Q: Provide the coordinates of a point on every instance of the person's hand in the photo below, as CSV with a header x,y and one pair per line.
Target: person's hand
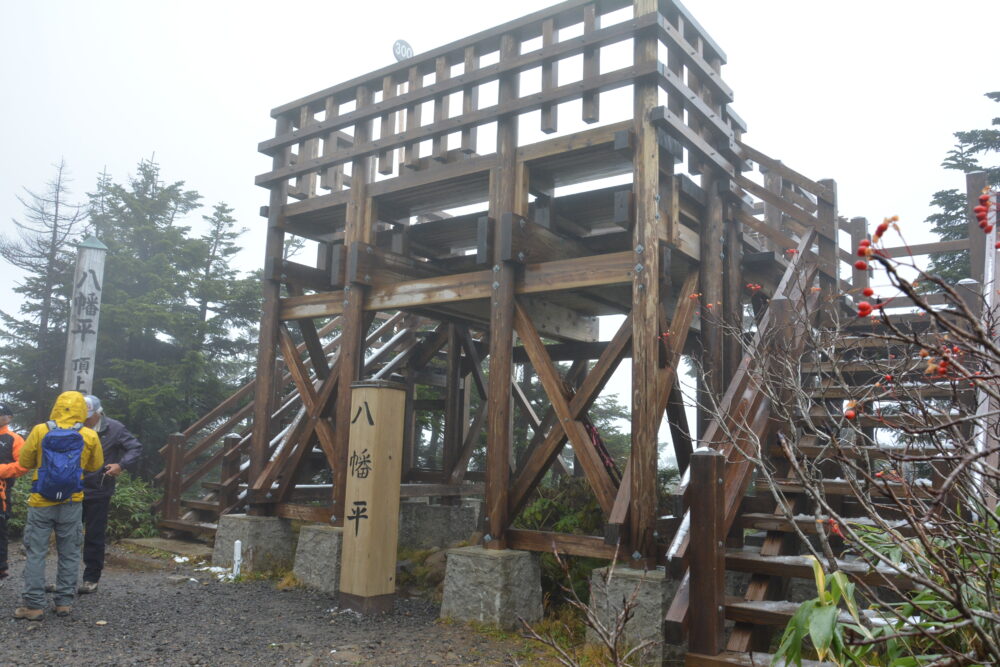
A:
x,y
113,469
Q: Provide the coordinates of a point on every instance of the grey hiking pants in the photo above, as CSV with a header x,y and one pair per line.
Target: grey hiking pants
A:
x,y
65,520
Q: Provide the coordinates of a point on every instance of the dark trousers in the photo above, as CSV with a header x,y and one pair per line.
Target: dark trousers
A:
x,y
95,526
3,543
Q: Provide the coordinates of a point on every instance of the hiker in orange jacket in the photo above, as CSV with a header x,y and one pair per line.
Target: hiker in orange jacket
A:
x,y
10,449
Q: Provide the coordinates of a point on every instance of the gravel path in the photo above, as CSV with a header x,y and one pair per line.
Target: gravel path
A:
x,y
152,611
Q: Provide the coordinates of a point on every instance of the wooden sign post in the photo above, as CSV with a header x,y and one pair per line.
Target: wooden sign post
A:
x,y
371,521
81,345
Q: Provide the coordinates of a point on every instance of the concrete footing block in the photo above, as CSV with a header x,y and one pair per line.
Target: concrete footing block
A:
x,y
317,558
493,586
423,526
652,591
268,542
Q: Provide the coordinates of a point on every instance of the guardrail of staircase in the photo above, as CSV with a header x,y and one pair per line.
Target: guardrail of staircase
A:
x,y
789,205
177,449
743,408
178,455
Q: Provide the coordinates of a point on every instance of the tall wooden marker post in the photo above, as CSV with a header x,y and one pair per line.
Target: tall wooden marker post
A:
x,y
371,502
85,311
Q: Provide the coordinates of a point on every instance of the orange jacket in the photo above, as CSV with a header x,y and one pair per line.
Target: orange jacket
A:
x,y
10,449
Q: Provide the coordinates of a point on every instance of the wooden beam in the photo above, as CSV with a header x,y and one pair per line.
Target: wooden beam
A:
x,y
565,544
538,462
555,276
524,241
600,482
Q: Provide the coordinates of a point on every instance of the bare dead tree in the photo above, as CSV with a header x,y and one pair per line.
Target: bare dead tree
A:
x,y
610,635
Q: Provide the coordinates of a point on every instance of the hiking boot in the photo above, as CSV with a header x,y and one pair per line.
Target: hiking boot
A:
x,y
29,614
87,587
62,609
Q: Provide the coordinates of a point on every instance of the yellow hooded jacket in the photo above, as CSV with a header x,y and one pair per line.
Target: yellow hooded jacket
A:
x,y
70,409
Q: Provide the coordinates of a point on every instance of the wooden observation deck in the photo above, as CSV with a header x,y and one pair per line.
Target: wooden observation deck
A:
x,y
474,210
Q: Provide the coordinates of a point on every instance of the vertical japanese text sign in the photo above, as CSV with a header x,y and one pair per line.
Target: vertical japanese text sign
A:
x,y
85,310
371,517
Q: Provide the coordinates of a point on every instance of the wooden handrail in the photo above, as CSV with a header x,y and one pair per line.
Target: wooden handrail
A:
x,y
744,406
229,454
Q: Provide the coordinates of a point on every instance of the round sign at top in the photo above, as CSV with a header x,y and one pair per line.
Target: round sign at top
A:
x,y
402,50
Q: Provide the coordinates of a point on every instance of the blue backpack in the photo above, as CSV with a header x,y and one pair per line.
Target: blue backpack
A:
x,y
60,472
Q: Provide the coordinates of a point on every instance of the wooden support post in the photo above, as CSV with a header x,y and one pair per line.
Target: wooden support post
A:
x,y
453,424
506,193
974,185
358,228
680,433
732,298
229,470
859,233
711,279
829,248
645,302
773,217
708,553
267,346
172,480
371,523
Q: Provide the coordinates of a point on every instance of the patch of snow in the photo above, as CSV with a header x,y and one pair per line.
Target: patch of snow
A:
x,y
181,559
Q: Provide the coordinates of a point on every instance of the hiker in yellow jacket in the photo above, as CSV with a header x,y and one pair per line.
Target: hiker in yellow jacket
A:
x,y
63,516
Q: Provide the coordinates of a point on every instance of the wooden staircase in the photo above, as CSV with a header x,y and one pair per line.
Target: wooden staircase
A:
x,y
206,471
842,362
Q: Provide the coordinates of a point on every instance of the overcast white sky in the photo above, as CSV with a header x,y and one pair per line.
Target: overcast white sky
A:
x,y
865,92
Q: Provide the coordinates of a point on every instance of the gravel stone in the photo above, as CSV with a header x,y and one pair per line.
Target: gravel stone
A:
x,y
153,619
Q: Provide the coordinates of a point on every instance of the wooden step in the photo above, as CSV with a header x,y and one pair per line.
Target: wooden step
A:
x,y
814,451
806,524
188,526
819,413
904,321
218,486
906,393
741,659
766,612
837,487
201,505
802,567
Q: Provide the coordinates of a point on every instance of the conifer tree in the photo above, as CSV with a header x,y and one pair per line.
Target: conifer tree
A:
x,y
949,222
34,343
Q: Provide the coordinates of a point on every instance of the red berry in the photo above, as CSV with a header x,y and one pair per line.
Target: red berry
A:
x,y
988,228
868,291
979,209
860,265
888,378
864,243
984,199
997,246
882,229
850,414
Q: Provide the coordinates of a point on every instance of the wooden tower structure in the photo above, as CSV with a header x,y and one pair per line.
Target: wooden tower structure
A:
x,y
474,210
